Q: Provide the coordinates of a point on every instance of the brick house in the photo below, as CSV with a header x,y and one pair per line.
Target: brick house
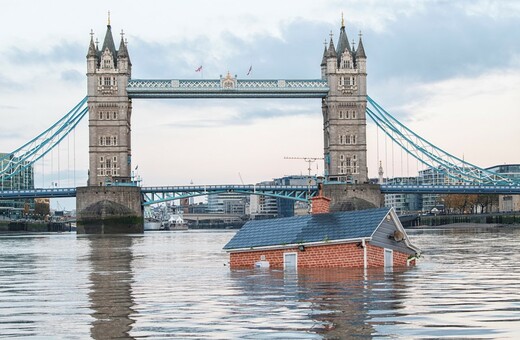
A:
x,y
354,239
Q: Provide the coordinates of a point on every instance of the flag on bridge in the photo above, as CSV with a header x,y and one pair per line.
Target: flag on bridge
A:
x,y
199,69
250,69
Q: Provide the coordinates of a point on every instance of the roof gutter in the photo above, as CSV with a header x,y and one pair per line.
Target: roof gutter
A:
x,y
293,245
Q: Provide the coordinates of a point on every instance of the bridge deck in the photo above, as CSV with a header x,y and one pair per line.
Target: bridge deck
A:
x,y
297,192
227,88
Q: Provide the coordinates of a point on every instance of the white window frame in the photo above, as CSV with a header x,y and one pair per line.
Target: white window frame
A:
x,y
391,252
295,262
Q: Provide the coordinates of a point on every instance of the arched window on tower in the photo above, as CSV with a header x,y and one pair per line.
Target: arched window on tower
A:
x,y
346,60
342,166
107,62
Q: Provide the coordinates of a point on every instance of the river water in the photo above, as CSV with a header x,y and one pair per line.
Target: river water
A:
x,y
178,285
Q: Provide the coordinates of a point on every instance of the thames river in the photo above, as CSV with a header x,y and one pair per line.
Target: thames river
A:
x,y
178,285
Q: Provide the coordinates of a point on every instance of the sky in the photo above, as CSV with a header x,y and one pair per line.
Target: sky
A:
x,y
449,70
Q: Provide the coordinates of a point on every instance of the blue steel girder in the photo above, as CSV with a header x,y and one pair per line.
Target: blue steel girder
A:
x,y
450,189
298,193
38,193
227,88
154,195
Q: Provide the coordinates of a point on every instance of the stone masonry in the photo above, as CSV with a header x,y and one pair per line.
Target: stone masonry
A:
x,y
344,119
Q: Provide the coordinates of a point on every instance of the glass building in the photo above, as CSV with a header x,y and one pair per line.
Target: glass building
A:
x,y
403,203
508,203
21,180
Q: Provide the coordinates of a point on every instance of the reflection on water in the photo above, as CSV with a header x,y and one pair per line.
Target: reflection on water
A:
x,y
111,286
176,285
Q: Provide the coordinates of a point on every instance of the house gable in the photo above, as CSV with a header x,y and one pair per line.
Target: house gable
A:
x,y
384,235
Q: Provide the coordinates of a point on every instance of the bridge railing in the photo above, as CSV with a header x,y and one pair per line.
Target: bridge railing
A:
x,y
226,187
230,88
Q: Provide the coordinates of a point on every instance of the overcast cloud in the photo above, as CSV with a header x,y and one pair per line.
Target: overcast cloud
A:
x,y
425,59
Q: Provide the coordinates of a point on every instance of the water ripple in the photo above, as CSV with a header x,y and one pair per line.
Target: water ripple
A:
x,y
177,285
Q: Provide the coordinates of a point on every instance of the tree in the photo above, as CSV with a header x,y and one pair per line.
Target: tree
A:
x,y
486,202
41,209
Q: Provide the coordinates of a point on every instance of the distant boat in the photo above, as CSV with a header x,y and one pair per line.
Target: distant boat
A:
x,y
151,223
175,222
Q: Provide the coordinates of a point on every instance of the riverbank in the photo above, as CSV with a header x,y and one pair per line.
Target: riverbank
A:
x,y
496,218
466,226
33,226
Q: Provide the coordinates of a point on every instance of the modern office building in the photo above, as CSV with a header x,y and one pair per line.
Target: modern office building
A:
x,y
227,203
403,203
24,179
286,208
508,202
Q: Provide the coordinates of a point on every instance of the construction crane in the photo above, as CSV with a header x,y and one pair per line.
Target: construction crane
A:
x,y
309,160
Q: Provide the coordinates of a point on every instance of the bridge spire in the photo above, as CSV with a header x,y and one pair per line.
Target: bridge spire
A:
x,y
360,52
324,59
331,52
92,50
342,41
108,43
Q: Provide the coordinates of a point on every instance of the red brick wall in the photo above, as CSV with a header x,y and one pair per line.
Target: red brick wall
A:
x,y
376,257
320,205
347,255
400,259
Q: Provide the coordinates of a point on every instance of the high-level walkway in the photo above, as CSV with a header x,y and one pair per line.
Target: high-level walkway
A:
x,y
153,195
227,88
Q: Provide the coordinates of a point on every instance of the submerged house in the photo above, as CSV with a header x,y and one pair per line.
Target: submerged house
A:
x,y
354,239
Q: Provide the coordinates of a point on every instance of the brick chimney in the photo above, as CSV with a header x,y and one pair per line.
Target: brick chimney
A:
x,y
320,204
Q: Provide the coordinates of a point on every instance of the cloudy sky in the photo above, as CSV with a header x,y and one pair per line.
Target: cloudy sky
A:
x,y
450,70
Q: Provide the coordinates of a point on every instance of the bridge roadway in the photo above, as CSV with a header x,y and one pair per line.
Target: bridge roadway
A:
x,y
227,87
154,195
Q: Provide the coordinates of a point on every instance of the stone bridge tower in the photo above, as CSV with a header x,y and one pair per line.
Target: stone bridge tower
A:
x,y
344,120
110,203
344,125
110,110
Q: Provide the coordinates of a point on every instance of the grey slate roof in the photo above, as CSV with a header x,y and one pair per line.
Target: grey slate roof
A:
x,y
92,52
122,52
308,228
343,42
360,53
109,43
331,52
324,59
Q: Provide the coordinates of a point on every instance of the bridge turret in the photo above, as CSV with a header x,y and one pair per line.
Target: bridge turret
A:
x,y
324,62
123,59
92,59
361,57
331,57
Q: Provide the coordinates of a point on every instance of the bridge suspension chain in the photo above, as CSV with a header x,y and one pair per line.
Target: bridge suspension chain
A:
x,y
25,156
430,155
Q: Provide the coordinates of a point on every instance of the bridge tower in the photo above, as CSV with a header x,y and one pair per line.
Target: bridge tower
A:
x,y
344,124
110,202
344,120
110,111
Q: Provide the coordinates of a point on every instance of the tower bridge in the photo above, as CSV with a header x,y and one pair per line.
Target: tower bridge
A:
x,y
112,202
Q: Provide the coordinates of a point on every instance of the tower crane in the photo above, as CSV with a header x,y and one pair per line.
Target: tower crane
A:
x,y
309,160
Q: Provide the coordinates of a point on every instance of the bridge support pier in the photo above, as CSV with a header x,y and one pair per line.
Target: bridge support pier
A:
x,y
346,197
109,210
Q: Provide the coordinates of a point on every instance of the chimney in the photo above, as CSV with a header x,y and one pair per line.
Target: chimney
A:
x,y
320,204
